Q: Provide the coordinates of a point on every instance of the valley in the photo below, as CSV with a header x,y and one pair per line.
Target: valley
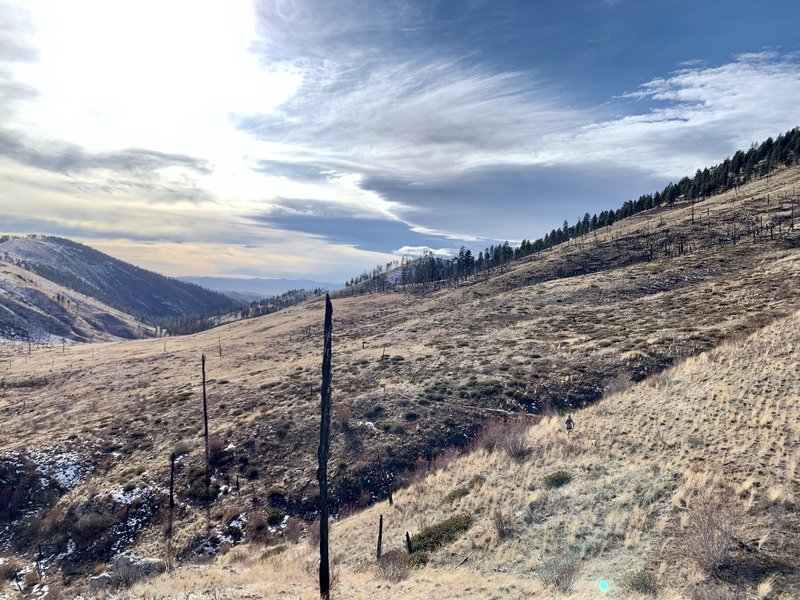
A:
x,y
590,326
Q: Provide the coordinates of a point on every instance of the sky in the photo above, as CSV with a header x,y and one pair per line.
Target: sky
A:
x,y
319,138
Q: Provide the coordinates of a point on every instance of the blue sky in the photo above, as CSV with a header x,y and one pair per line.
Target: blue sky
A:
x,y
299,138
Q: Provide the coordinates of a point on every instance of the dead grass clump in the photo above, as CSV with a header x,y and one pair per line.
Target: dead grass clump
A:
x,y
394,566
503,525
713,526
181,449
643,582
508,435
258,526
294,529
313,533
713,590
516,445
560,572
9,569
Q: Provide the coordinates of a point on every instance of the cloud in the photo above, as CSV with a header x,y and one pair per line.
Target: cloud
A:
x,y
688,120
446,141
694,117
66,158
417,251
353,129
419,119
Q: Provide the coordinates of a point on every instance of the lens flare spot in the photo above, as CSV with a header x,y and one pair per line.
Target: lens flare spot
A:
x,y
603,585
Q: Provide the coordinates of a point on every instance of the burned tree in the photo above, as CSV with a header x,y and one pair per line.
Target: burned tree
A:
x,y
205,422
322,454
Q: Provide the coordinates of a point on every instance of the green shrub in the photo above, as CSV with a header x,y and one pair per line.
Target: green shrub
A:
x,y
643,582
274,515
557,479
200,493
476,482
454,495
441,534
273,551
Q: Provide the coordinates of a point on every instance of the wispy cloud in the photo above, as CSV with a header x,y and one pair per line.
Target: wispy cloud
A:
x,y
353,128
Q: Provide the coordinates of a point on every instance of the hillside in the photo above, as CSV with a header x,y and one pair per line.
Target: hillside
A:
x,y
712,442
35,309
130,289
415,372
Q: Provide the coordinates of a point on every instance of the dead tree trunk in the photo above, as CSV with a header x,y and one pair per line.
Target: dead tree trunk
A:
x,y
171,494
322,454
205,423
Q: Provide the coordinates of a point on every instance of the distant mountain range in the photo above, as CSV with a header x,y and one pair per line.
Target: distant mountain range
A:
x,y
130,289
252,289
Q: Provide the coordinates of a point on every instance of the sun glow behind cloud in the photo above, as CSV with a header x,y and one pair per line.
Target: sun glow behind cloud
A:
x,y
161,75
192,123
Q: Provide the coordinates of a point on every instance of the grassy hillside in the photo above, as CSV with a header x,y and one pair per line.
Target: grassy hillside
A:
x,y
651,472
415,372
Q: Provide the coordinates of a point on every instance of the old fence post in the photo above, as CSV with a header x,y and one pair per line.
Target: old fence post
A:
x,y
380,536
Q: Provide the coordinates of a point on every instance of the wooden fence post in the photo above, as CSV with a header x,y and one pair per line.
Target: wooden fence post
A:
x,y
380,536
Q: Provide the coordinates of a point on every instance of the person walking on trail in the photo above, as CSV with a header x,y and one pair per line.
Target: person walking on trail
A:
x,y
569,423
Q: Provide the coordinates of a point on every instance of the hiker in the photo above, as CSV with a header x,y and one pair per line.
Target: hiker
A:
x,y
569,423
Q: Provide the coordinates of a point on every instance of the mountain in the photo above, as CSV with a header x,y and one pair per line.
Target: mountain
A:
x,y
254,288
35,309
133,290
668,335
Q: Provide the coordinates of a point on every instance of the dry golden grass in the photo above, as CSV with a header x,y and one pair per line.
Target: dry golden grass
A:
x,y
639,460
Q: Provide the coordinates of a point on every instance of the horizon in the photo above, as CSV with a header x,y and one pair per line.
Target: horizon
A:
x,y
302,140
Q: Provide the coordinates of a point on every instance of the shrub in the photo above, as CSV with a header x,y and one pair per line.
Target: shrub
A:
x,y
274,515
276,497
9,569
502,523
476,482
560,572
557,479
275,551
509,435
643,582
394,566
200,493
713,525
695,442
258,526
182,448
455,494
441,534
516,445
